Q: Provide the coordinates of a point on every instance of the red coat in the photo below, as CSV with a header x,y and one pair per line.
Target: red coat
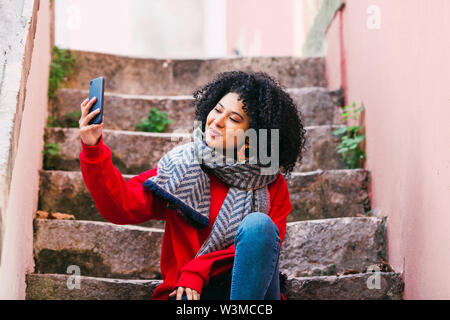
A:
x,y
128,202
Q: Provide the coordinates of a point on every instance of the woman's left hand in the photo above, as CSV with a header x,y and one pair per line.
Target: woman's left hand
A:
x,y
191,294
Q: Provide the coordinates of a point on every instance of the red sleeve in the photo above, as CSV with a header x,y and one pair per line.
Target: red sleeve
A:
x,y
117,200
196,273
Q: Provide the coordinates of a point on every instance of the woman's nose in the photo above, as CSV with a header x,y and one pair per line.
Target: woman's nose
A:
x,y
219,121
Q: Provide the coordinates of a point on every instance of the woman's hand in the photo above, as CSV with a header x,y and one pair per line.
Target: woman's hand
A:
x,y
191,294
89,133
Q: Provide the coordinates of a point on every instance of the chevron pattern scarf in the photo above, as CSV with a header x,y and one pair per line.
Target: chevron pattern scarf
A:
x,y
182,180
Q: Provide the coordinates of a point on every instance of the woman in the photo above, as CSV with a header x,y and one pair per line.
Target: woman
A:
x,y
236,255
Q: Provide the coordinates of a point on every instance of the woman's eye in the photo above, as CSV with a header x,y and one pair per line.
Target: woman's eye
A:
x,y
230,118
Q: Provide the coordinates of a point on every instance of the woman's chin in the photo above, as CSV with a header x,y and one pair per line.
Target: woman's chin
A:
x,y
214,142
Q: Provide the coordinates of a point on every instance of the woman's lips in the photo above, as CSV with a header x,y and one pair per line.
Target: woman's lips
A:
x,y
213,133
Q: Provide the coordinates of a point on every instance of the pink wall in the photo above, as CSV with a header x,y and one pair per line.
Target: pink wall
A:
x,y
269,23
17,255
401,72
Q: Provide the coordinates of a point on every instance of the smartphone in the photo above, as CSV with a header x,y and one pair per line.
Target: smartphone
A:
x,y
96,89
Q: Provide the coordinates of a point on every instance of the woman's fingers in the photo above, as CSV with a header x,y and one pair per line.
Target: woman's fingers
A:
x,y
180,292
85,108
196,295
87,118
88,103
83,104
189,293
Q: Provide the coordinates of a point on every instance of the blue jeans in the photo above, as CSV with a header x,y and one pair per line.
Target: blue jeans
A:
x,y
257,250
255,270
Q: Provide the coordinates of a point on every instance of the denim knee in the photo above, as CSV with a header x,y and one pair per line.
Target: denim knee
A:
x,y
258,225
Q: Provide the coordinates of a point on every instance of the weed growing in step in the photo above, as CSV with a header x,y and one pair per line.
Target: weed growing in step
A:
x,y
61,68
72,118
53,123
52,155
156,121
351,138
69,120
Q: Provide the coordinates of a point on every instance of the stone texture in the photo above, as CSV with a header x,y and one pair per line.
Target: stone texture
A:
x,y
321,247
328,194
99,249
349,287
321,150
54,287
123,112
65,191
331,246
316,195
318,106
184,76
131,153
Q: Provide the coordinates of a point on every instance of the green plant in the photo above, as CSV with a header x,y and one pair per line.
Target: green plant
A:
x,y
61,67
156,121
72,118
52,155
52,122
351,138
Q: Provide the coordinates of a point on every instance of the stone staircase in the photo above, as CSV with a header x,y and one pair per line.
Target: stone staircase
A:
x,y
329,242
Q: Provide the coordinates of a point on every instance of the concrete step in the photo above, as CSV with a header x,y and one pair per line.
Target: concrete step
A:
x,y
318,106
314,195
131,154
347,287
101,249
184,76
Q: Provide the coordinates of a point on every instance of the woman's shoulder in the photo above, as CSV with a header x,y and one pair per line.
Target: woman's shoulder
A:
x,y
279,186
280,180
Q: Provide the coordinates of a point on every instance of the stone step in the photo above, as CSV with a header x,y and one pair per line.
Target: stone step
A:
x,y
183,76
314,195
61,287
131,154
318,106
346,287
101,249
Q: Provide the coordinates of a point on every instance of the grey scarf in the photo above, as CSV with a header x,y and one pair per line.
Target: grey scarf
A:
x,y
182,181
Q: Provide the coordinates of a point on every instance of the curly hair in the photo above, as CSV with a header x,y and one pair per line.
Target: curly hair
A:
x,y
268,107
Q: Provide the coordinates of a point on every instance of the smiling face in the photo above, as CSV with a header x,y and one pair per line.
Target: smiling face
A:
x,y
229,120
